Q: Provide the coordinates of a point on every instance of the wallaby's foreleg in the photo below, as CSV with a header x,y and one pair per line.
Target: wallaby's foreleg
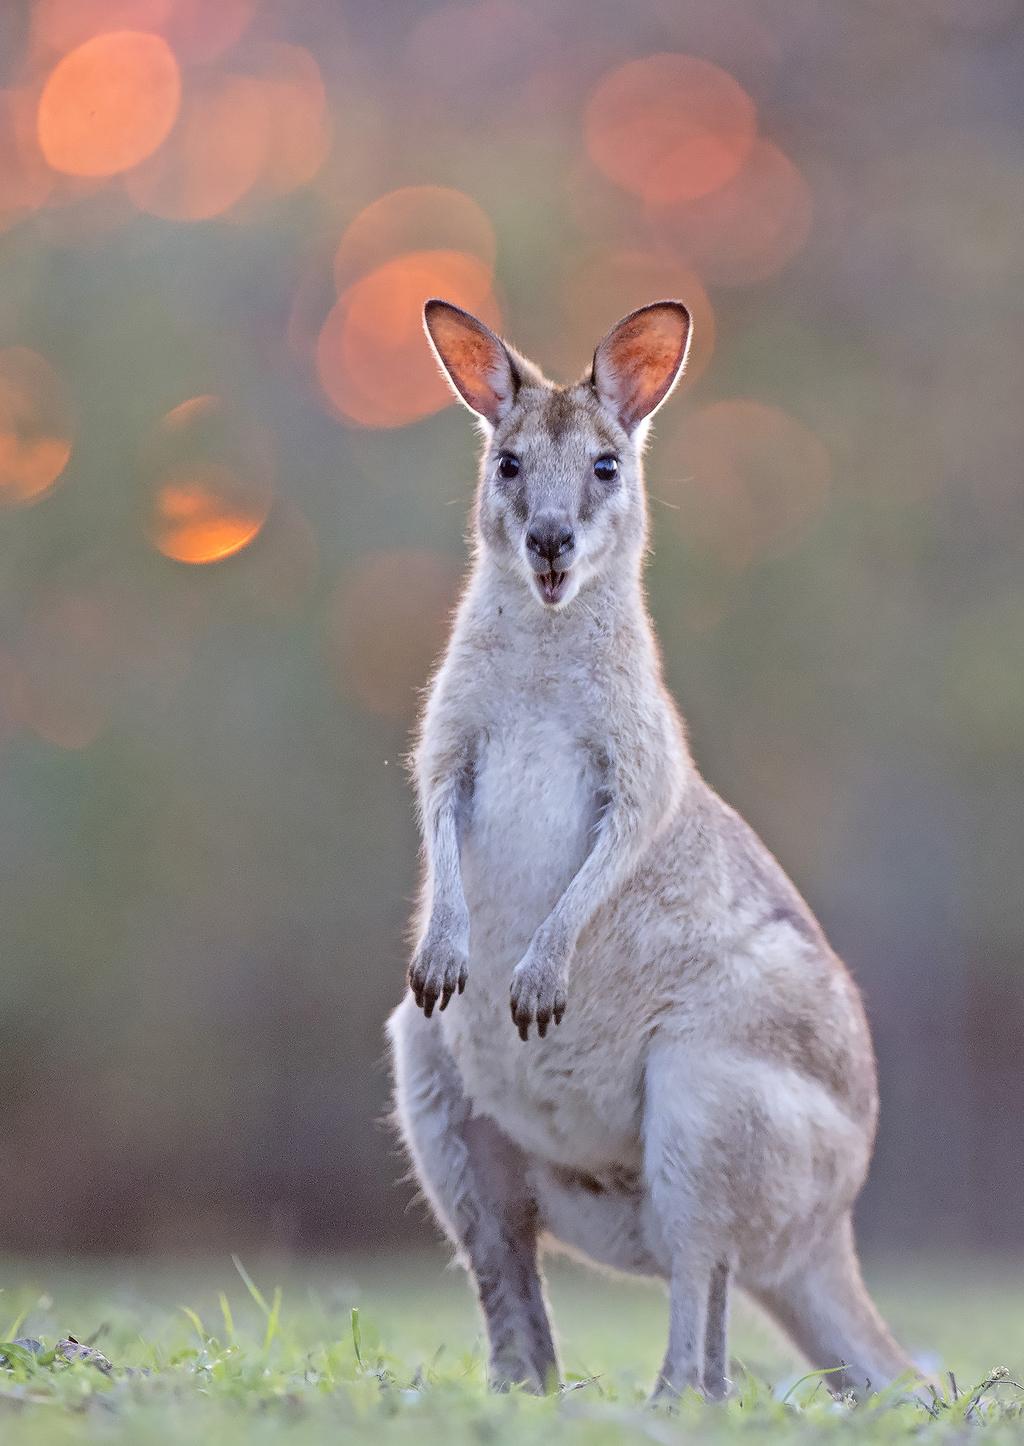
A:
x,y
475,1179
440,965
629,820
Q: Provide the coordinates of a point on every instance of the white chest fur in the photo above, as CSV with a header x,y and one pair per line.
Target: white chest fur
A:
x,y
528,828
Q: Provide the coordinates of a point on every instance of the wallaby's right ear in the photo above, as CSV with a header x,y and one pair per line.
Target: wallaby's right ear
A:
x,y
478,365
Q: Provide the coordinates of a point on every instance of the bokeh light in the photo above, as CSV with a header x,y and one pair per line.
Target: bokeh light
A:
x,y
36,426
299,130
413,218
25,178
670,127
213,157
109,103
372,359
386,624
747,229
209,476
751,479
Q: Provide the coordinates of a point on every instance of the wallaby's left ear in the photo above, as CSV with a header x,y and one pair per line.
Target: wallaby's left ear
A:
x,y
641,359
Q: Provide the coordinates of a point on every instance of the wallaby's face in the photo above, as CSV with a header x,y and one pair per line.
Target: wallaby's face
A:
x,y
561,491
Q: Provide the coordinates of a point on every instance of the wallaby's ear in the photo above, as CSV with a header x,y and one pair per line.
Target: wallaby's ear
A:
x,y
478,365
641,359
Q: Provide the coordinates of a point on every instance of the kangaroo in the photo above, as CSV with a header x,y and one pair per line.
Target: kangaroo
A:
x,y
686,1086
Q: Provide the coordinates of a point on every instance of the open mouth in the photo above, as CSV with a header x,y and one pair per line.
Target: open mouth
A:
x,y
551,586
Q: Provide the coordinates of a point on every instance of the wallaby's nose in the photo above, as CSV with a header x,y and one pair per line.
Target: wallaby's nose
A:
x,y
549,539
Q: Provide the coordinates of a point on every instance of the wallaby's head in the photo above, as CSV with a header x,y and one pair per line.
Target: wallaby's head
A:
x,y
561,492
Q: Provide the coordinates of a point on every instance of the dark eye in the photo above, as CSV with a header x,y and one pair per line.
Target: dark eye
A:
x,y
606,469
508,466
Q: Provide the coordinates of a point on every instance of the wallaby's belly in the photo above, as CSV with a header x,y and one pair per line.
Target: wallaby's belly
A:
x,y
535,805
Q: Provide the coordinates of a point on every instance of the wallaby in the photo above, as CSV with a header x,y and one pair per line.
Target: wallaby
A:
x,y
686,1086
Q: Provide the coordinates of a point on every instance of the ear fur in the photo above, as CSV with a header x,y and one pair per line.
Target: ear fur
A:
x,y
640,361
480,368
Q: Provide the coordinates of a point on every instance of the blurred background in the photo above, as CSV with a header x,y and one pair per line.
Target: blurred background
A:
x,y
232,502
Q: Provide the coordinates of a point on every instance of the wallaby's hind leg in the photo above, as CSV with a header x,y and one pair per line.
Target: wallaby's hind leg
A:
x,y
716,1337
681,1227
825,1307
474,1177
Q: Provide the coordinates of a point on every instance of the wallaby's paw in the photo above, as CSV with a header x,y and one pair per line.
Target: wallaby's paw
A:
x,y
537,993
438,970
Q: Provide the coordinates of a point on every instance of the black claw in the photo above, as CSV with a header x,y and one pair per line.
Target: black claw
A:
x,y
446,995
462,982
524,1029
558,1014
542,1026
428,1006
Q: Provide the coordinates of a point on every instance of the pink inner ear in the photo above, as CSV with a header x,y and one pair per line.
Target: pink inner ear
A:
x,y
637,363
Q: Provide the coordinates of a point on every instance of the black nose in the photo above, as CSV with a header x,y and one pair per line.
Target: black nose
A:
x,y
549,537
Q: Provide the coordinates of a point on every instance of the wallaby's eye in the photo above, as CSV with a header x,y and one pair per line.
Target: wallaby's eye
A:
x,y
606,469
508,466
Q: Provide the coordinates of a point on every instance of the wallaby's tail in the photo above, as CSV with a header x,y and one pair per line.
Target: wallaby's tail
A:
x,y
825,1308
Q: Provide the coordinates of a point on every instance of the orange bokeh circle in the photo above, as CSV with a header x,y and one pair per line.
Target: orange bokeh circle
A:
x,y
208,472
669,127
749,228
35,427
372,357
413,218
214,156
109,103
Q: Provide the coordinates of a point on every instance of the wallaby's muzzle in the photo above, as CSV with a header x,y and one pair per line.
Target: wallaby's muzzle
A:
x,y
551,550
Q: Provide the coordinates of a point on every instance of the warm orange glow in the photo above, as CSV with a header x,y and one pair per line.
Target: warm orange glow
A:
x,y
205,514
25,179
386,625
210,479
750,228
670,127
372,358
214,155
35,427
413,218
299,124
604,285
748,480
109,104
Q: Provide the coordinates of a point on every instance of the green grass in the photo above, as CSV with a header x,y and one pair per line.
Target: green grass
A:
x,y
390,1352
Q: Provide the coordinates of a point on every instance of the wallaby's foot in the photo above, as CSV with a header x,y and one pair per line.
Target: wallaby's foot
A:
x,y
507,1375
438,970
538,992
667,1397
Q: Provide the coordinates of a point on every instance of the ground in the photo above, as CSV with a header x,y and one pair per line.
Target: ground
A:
x,y
390,1352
